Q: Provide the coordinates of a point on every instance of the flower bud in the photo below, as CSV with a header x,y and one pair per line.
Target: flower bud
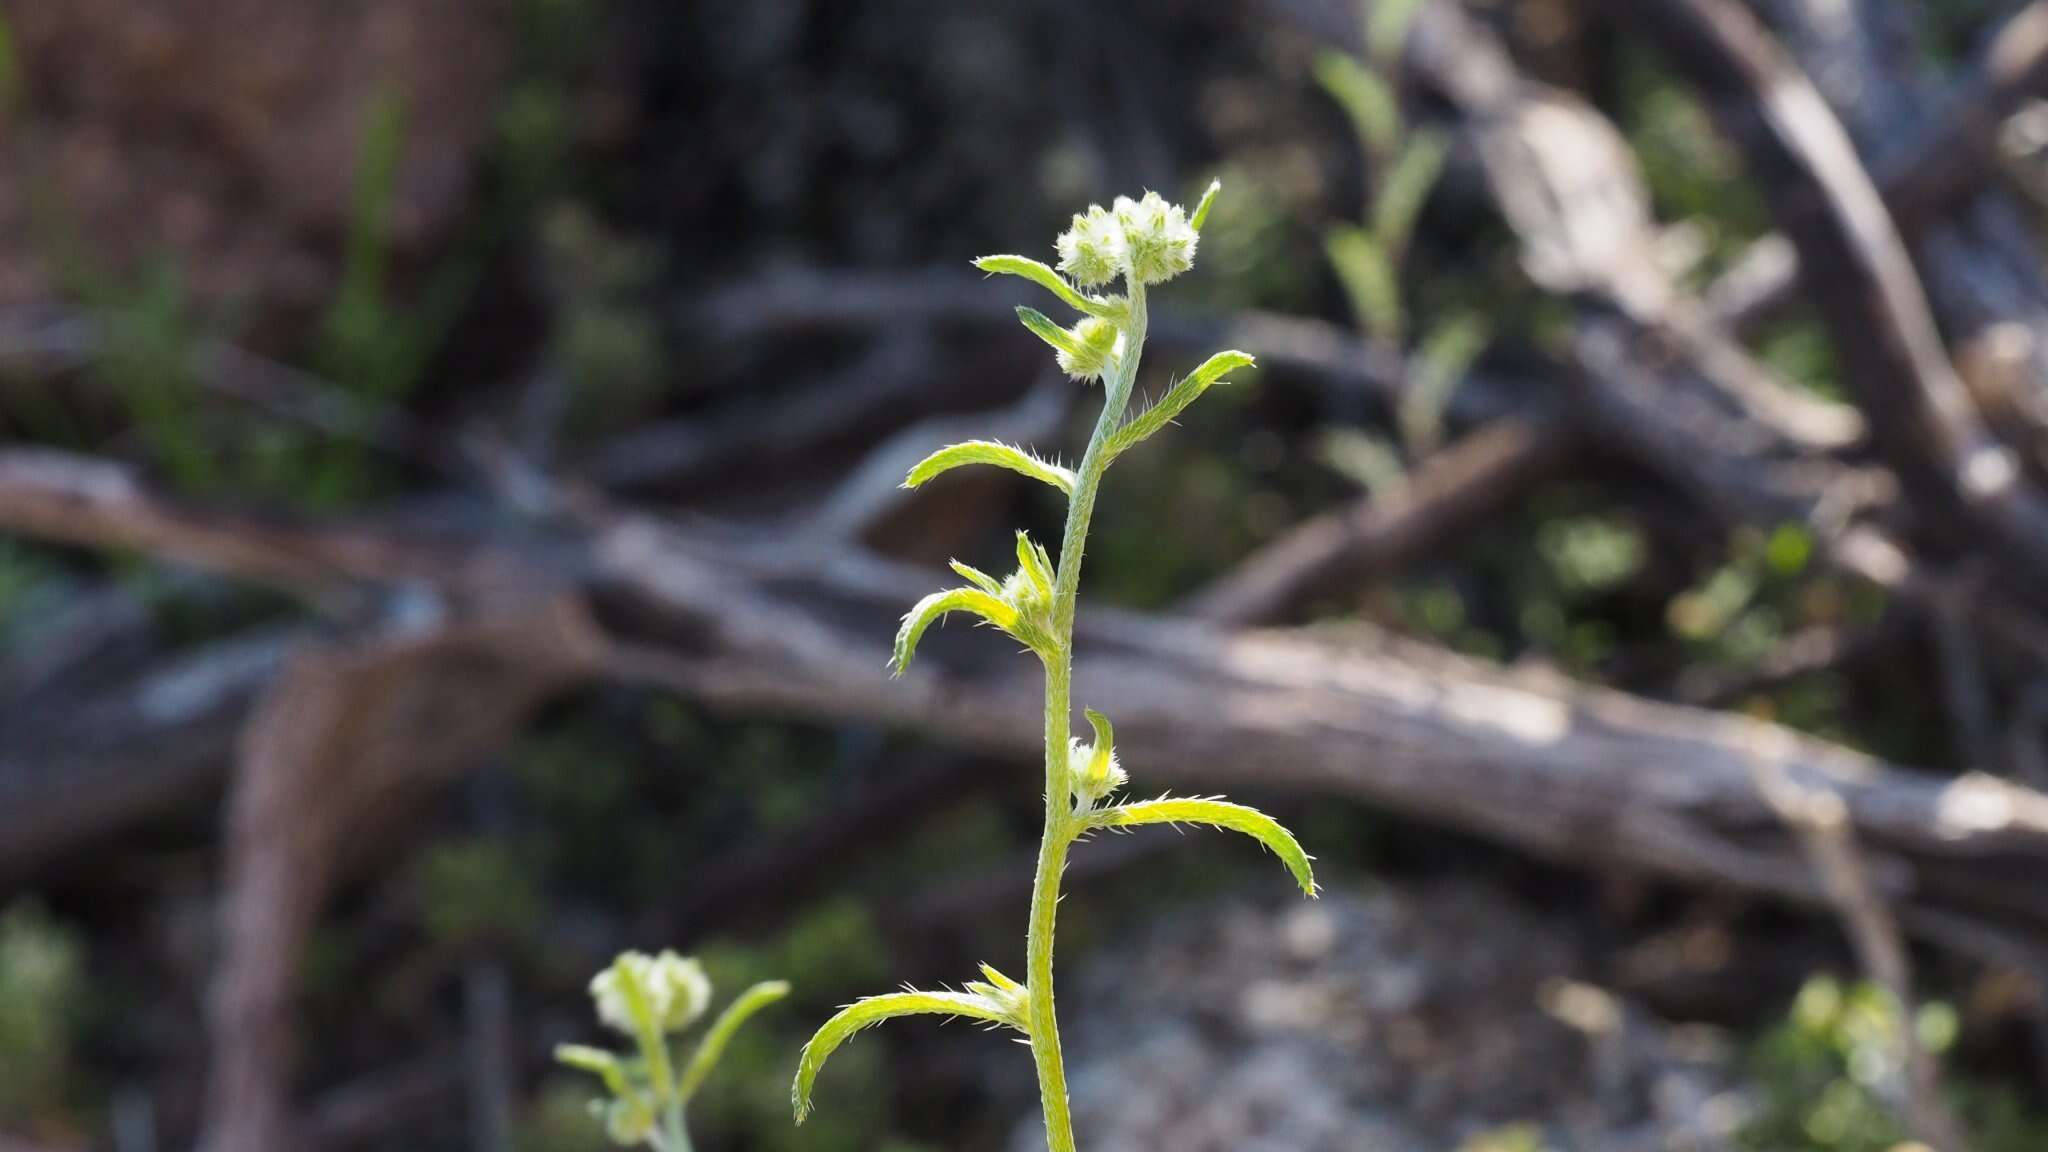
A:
x,y
1088,353
1092,251
1093,771
627,1121
676,991
1159,243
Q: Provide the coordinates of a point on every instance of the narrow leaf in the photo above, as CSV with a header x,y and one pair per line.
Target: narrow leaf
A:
x,y
1042,326
1406,189
712,1047
1202,209
1434,372
597,1060
646,1029
872,1011
990,452
980,579
1034,563
1105,735
1220,814
938,604
1047,279
1368,276
1387,34
1365,97
1177,398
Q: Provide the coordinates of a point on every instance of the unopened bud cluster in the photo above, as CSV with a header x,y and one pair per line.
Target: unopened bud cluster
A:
x,y
1148,240
676,990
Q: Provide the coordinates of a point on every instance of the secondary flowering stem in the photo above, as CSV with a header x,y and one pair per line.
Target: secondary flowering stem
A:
x,y
1060,824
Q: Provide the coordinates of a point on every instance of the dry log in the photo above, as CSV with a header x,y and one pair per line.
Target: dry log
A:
x,y
1570,773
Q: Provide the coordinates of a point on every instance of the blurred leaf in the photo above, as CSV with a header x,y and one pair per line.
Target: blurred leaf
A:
x,y
1435,371
1387,27
1367,273
1405,190
1365,97
1365,458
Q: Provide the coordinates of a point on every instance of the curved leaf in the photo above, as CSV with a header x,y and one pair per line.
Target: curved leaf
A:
x,y
1036,564
1049,280
867,1013
977,577
1177,398
1201,214
595,1060
931,608
720,1033
990,452
1219,814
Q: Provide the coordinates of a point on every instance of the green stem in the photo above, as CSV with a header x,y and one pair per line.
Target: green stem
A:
x,y
676,1138
1060,825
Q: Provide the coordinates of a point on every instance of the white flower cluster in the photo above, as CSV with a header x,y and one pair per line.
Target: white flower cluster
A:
x,y
676,990
1149,240
1093,772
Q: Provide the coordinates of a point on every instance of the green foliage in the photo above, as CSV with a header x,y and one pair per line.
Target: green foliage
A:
x,y
1830,1071
1145,242
10,71
650,999
990,452
42,989
476,890
1216,814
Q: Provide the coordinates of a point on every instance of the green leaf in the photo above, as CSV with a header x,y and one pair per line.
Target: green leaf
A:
x,y
1406,189
1387,32
867,1013
1036,563
1043,327
1217,813
1049,280
1202,209
597,1060
712,1047
1368,276
990,452
646,1028
1365,97
1177,399
938,604
1105,736
980,579
1436,369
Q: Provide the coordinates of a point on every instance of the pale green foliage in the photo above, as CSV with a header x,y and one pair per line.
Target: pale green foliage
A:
x,y
1367,99
1021,605
863,1014
1177,399
1143,242
1406,167
650,999
1216,814
989,452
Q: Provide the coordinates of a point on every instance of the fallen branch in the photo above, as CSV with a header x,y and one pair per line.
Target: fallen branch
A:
x,y
1448,493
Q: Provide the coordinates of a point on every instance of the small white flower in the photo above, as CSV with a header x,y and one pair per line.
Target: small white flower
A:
x,y
1093,772
676,990
1159,243
1092,251
1094,346
684,989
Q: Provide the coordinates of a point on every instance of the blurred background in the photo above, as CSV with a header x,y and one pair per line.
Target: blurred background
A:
x,y
449,532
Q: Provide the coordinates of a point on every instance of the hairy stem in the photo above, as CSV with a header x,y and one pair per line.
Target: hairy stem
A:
x,y
676,1138
1060,825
